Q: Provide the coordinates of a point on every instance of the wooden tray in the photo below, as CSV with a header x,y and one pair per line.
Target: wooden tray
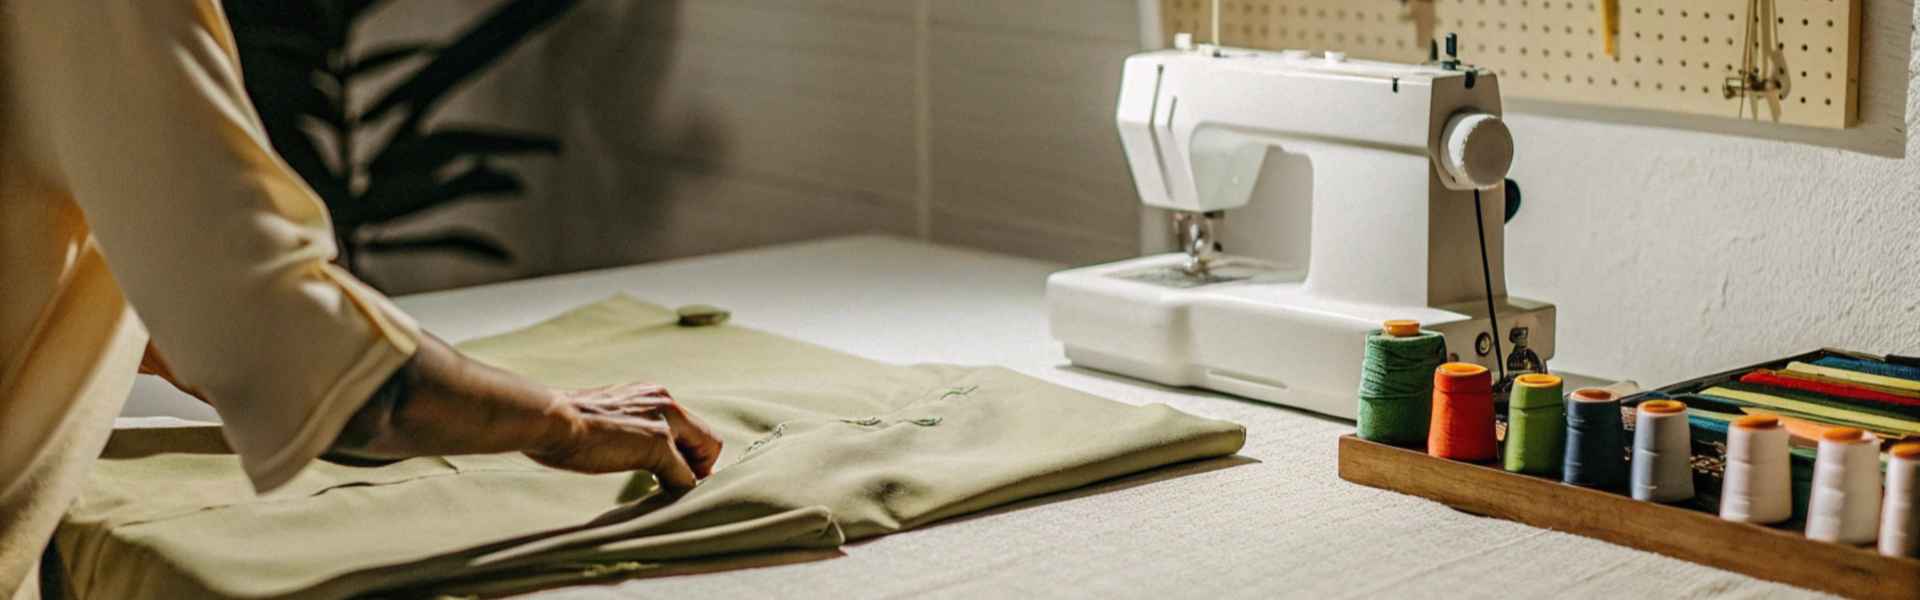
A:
x,y
1763,552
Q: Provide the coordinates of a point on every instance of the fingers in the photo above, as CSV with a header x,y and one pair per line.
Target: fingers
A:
x,y
695,448
694,439
672,469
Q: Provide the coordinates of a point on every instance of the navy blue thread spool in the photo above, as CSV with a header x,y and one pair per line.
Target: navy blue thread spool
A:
x,y
1596,440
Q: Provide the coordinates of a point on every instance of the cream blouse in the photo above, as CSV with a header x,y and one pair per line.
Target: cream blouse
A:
x,y
139,197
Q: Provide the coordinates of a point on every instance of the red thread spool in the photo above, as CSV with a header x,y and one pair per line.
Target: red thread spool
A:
x,y
1462,414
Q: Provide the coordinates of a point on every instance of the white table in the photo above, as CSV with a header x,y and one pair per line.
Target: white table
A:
x,y
1278,522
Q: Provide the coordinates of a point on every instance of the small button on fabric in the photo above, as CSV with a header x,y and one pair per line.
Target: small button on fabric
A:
x,y
702,315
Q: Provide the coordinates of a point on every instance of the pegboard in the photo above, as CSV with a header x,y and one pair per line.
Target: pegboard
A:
x,y
1676,55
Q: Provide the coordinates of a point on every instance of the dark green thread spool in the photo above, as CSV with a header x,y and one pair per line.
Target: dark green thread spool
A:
x,y
1396,383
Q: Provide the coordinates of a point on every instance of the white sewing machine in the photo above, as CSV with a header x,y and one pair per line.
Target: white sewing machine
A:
x,y
1360,182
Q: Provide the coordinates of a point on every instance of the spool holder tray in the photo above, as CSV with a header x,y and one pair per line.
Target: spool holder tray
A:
x,y
1769,553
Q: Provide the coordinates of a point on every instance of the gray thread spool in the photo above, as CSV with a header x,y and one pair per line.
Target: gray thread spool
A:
x,y
1662,452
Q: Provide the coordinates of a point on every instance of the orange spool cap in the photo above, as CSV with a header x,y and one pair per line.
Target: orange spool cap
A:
x,y
1401,327
1909,450
1843,434
1757,422
1462,426
1593,395
1662,407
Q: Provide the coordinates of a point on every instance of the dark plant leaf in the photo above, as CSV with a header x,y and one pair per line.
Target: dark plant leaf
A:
x,y
298,46
355,9
434,151
405,193
301,153
385,56
283,90
471,53
462,241
295,60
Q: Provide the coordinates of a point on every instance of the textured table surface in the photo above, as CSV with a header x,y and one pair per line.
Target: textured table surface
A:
x,y
1275,521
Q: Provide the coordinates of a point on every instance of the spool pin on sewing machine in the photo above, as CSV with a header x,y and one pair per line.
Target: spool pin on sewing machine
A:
x,y
1362,179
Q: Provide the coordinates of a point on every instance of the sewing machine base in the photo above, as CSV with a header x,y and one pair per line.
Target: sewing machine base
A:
x,y
1252,329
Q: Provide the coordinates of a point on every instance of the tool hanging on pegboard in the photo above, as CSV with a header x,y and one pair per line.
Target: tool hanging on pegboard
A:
x,y
1763,65
1791,63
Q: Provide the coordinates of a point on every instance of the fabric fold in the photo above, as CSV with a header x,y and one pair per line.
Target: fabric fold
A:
x,y
821,447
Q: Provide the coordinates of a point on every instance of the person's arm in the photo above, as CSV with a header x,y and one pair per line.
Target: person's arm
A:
x,y
444,403
225,254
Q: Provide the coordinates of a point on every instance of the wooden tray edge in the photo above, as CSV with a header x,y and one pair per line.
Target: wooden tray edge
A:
x,y
1759,551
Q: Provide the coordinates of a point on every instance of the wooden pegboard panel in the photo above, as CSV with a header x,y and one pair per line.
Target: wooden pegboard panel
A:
x,y
1671,55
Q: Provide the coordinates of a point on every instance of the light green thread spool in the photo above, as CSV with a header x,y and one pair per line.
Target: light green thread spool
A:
x,y
1396,383
1536,425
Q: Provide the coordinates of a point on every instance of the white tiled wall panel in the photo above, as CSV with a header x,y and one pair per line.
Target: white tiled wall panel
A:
x,y
696,126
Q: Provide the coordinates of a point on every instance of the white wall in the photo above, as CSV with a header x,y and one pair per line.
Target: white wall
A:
x,y
1673,245
1673,252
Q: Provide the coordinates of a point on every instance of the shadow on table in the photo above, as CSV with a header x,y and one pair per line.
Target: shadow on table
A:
x,y
1200,392
1116,484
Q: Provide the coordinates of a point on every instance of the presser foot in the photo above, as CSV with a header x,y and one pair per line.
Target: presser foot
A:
x,y
1197,237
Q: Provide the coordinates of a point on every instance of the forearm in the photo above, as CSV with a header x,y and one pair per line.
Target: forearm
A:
x,y
442,403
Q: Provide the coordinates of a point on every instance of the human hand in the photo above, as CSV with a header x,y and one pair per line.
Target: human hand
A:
x,y
629,427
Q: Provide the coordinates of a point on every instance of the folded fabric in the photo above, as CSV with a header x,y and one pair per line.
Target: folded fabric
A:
x,y
1905,372
821,447
1852,376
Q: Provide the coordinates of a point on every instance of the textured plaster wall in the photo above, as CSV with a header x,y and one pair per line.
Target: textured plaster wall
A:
x,y
1672,252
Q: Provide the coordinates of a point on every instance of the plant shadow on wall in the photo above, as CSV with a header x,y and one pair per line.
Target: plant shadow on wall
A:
x,y
654,128
301,72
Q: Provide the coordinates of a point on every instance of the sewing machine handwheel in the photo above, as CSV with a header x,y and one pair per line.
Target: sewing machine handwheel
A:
x,y
1476,150
1513,199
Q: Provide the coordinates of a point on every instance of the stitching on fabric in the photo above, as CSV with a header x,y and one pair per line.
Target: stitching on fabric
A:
x,y
600,571
781,430
873,421
778,430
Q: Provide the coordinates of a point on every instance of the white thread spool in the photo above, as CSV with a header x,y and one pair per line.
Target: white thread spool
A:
x,y
1845,506
1662,452
1899,531
1759,475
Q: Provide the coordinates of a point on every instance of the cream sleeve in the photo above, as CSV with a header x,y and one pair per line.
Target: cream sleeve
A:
x,y
220,248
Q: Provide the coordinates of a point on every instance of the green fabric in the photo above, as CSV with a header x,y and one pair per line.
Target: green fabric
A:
x,y
822,447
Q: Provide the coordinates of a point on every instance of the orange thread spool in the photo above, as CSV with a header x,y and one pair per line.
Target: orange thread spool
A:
x,y
1462,414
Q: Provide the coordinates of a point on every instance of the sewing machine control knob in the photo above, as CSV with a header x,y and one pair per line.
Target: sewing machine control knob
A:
x,y
1476,149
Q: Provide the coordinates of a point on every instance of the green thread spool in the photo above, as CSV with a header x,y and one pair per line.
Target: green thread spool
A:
x,y
1396,383
1536,425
